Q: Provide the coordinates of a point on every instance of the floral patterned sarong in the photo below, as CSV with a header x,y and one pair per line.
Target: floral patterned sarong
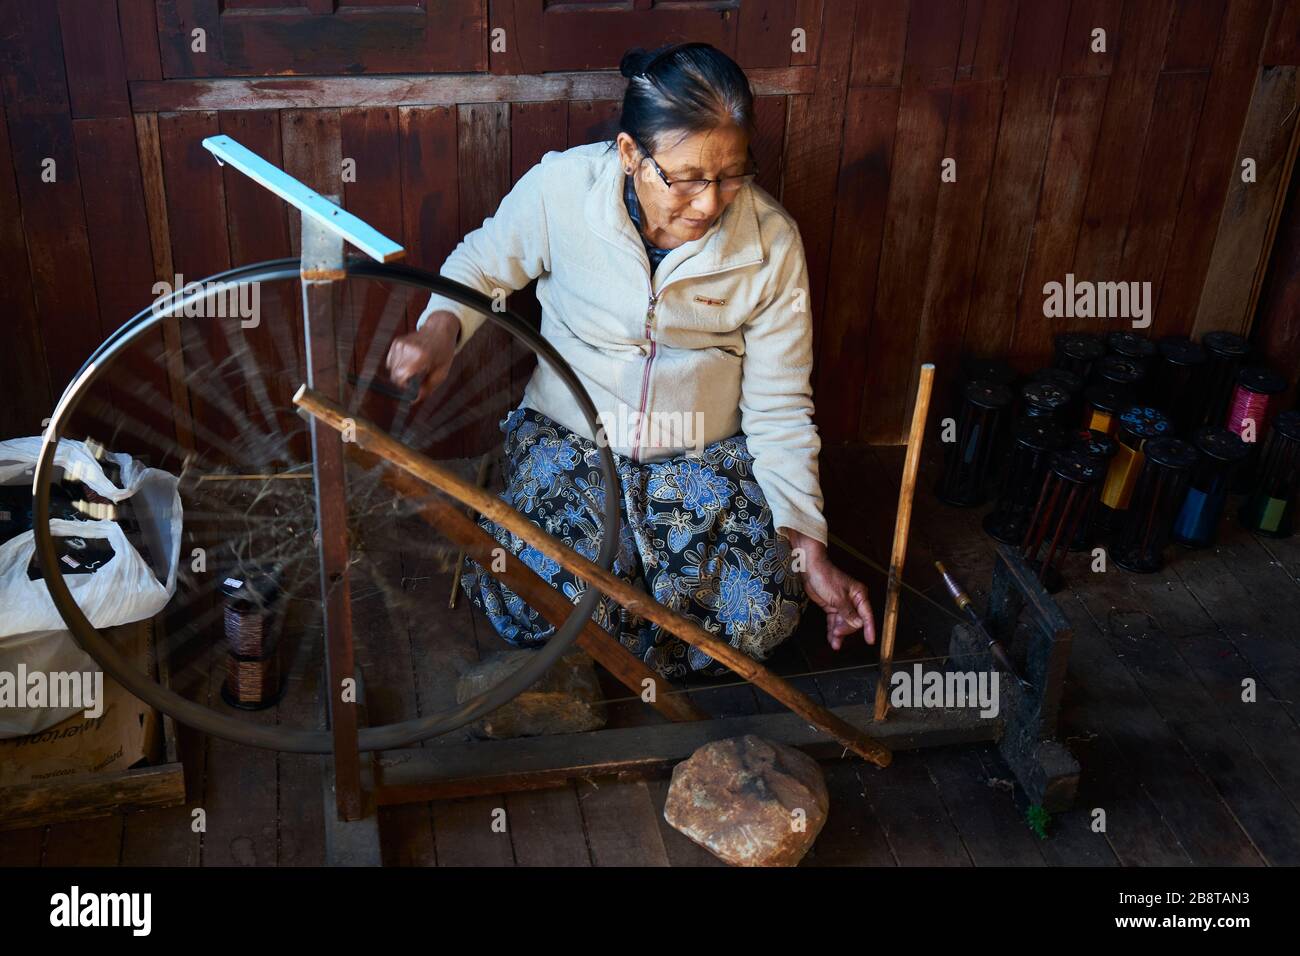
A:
x,y
696,533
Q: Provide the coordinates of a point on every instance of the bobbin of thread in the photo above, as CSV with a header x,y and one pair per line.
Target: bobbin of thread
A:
x,y
968,459
1101,448
1063,501
1221,451
1250,410
251,625
1121,370
1138,425
1225,352
1069,382
1103,404
1269,509
1178,381
1131,345
1034,440
1161,486
1077,351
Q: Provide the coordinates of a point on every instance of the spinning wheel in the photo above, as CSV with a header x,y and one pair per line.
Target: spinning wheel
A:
x,y
254,457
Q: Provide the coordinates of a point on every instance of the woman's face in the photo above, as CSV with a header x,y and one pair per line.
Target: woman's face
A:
x,y
668,219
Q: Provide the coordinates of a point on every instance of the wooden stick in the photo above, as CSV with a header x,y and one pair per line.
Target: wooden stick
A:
x,y
368,437
440,513
902,524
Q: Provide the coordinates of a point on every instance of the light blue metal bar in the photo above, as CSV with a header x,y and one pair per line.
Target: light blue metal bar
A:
x,y
356,231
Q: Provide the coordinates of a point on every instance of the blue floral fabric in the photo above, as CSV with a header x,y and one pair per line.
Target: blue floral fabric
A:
x,y
695,532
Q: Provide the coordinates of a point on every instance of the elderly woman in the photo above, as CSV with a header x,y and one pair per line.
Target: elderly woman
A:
x,y
677,290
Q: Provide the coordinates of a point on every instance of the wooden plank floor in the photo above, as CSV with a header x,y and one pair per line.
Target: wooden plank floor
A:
x,y
1177,768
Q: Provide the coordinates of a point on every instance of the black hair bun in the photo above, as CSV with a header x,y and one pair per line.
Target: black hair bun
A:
x,y
634,62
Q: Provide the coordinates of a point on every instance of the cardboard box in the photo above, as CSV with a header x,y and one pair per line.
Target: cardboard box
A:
x,y
125,735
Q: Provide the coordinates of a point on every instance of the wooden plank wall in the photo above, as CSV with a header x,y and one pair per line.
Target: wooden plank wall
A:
x,y
1122,165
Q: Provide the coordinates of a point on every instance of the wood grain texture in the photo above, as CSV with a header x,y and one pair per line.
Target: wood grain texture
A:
x,y
1240,246
1017,169
1213,163
1071,147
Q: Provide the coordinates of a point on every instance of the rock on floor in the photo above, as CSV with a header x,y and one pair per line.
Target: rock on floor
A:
x,y
748,801
564,701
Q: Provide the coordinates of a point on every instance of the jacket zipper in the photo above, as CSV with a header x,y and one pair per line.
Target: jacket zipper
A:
x,y
645,377
649,322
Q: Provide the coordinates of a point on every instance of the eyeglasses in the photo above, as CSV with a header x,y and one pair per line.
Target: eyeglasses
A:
x,y
693,187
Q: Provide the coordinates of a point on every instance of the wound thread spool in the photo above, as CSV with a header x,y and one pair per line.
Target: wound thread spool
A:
x,y
1033,441
1253,405
1138,425
1103,404
1252,398
1121,370
1269,509
1101,448
993,371
1068,487
1077,351
967,460
251,624
1225,354
1131,345
1221,451
1044,399
1178,382
1161,487
1069,382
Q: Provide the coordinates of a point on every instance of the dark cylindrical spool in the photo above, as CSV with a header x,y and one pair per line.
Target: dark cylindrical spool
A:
x,y
1077,351
1068,487
251,606
1131,345
1033,441
1138,425
1101,448
1178,382
1269,509
1159,492
968,458
1225,352
993,371
1069,382
1044,399
1103,403
1221,452
1253,406
1122,371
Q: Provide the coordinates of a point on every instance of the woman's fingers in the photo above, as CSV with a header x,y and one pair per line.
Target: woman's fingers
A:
x,y
865,614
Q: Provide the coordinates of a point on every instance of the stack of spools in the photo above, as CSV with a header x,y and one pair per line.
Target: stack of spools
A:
x,y
1125,441
251,608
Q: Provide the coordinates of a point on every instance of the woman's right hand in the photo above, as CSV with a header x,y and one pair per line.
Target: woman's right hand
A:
x,y
424,355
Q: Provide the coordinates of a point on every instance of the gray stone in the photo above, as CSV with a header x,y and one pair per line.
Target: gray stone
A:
x,y
563,701
748,801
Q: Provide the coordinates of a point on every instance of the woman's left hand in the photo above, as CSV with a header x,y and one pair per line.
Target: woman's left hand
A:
x,y
843,598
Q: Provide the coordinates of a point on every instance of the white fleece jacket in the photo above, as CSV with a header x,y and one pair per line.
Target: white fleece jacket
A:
x,y
719,341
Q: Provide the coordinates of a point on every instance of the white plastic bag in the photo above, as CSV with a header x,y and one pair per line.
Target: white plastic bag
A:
x,y
124,589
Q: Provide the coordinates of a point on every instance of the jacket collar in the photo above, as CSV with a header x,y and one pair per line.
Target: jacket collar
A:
x,y
732,241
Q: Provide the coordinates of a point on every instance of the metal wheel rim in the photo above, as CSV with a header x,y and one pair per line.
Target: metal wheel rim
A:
x,y
207,720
